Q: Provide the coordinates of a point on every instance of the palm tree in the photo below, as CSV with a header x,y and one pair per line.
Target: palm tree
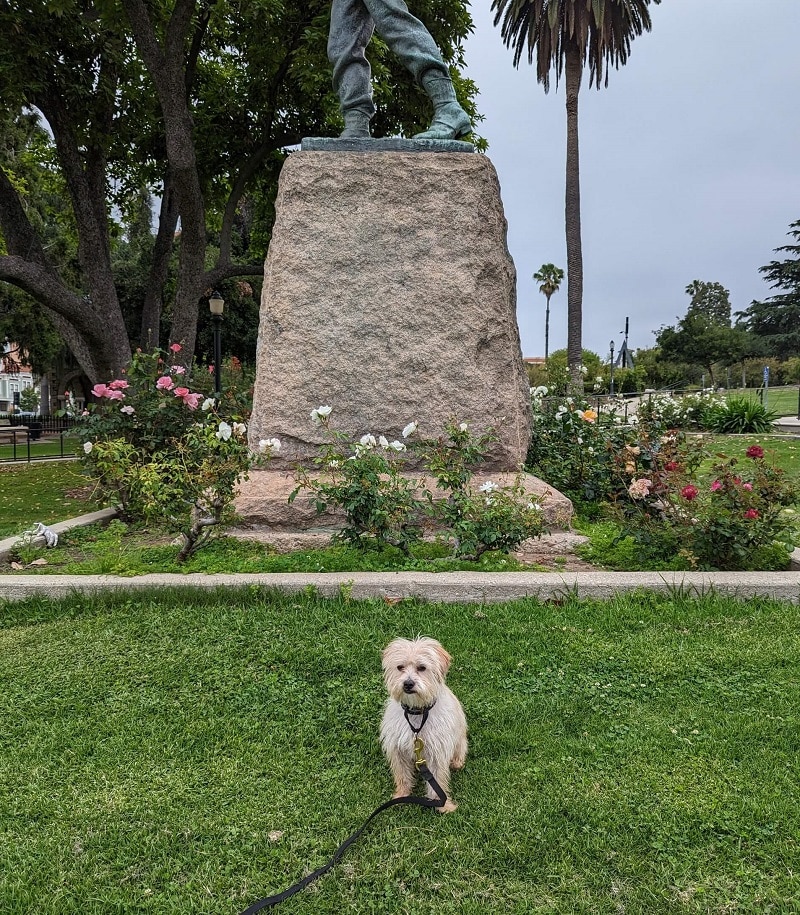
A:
x,y
563,35
549,277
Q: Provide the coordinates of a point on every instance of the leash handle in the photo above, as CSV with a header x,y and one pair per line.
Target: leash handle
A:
x,y
441,799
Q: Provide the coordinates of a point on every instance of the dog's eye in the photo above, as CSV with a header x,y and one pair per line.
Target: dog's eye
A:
x,y
401,666
421,668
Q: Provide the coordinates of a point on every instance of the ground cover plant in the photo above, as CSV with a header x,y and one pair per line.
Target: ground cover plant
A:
x,y
185,751
122,549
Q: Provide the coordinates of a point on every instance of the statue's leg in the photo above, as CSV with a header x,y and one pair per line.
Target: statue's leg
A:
x,y
415,47
351,29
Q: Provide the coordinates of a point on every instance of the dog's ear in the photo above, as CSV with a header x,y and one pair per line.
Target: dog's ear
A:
x,y
444,658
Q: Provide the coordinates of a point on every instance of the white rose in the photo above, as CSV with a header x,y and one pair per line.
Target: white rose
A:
x,y
383,441
87,447
239,428
319,415
223,432
397,446
410,429
489,486
368,440
207,404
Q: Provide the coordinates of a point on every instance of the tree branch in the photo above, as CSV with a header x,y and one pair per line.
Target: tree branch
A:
x,y
21,238
216,275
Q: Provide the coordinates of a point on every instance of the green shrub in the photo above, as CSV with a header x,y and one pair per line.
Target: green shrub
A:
x,y
162,452
571,446
384,506
727,524
740,415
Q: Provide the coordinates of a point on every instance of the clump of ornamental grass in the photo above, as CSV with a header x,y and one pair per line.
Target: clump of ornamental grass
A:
x,y
164,453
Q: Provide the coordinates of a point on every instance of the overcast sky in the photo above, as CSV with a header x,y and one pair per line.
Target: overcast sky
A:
x,y
690,165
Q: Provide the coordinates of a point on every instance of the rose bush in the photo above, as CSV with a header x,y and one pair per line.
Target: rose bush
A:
x,y
729,523
162,452
384,504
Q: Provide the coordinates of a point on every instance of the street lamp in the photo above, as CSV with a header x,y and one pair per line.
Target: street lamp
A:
x,y
611,384
216,305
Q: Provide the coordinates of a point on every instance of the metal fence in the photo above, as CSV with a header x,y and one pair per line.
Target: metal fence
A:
x,y
43,424
26,444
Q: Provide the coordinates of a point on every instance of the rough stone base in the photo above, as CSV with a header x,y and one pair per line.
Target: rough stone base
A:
x,y
263,503
389,295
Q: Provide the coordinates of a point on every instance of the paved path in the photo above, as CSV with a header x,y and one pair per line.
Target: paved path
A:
x,y
445,587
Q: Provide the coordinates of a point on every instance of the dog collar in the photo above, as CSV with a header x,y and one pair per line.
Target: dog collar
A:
x,y
417,709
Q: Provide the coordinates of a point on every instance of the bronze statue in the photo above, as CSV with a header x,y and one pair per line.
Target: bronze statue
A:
x,y
352,25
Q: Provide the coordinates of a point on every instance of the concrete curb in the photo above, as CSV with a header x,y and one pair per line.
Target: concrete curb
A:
x,y
444,587
104,514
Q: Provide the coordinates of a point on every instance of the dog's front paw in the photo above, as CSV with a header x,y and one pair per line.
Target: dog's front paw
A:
x,y
448,807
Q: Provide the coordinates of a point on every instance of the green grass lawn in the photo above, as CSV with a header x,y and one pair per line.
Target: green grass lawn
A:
x,y
189,752
48,492
781,451
783,400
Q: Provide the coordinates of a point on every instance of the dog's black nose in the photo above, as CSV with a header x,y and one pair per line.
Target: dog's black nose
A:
x,y
408,685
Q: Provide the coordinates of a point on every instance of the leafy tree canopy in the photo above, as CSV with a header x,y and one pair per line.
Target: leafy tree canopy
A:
x,y
189,103
712,300
704,336
776,320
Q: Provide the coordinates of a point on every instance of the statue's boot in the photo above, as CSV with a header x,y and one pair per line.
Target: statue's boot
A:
x,y
356,125
450,121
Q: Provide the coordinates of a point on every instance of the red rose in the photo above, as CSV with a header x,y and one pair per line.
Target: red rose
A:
x,y
751,513
755,452
690,492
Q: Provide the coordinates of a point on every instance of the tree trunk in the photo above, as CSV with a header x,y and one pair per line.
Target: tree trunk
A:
x,y
574,68
149,337
547,331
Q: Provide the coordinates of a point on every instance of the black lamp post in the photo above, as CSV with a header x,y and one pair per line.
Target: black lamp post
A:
x,y
611,384
216,305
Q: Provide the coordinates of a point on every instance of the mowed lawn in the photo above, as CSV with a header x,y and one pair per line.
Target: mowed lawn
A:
x,y
47,491
785,401
186,752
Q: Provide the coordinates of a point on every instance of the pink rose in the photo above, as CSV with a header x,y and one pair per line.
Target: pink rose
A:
x,y
716,485
101,390
115,395
181,392
175,348
165,383
192,401
751,513
747,486
119,385
178,370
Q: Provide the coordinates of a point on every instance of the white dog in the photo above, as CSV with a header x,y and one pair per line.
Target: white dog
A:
x,y
414,673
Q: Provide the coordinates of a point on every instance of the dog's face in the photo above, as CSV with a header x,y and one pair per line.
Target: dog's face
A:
x,y
414,670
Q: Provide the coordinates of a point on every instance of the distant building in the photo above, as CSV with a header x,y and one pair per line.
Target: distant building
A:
x,y
15,376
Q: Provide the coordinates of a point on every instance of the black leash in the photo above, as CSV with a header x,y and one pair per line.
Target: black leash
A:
x,y
422,767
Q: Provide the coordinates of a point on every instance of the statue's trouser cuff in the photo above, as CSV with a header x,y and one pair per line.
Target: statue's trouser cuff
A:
x,y
352,25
